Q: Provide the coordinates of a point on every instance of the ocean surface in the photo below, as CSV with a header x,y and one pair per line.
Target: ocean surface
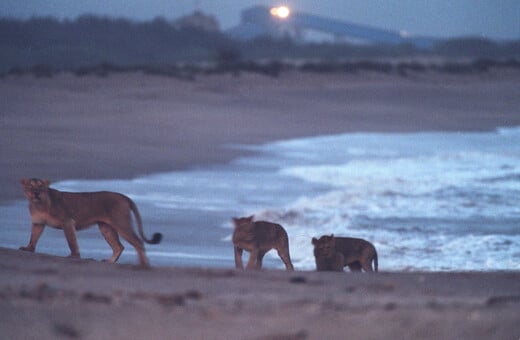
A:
x,y
428,201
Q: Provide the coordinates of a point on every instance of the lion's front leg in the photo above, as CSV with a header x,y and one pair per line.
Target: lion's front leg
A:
x,y
253,256
260,258
238,258
70,234
36,232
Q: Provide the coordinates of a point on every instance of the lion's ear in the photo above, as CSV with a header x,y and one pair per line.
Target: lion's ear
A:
x,y
314,241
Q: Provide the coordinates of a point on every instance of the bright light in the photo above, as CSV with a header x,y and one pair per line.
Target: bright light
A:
x,y
404,34
280,12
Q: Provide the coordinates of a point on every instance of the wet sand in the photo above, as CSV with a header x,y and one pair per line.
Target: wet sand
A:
x,y
126,125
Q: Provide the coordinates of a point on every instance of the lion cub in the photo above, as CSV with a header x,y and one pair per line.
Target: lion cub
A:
x,y
258,238
72,212
334,253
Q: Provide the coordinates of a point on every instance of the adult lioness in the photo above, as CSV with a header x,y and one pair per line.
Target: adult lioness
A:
x,y
333,253
258,238
76,211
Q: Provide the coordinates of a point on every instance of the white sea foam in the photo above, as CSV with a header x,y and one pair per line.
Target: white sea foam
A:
x,y
428,201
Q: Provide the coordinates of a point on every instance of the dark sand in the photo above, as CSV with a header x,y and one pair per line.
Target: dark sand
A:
x,y
45,297
126,125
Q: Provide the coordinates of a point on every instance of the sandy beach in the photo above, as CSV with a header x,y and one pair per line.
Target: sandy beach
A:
x,y
47,297
125,125
69,127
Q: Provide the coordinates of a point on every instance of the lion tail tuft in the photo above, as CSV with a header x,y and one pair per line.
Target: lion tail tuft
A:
x,y
156,238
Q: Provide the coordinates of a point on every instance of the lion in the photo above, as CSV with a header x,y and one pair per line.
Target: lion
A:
x,y
334,253
258,237
72,212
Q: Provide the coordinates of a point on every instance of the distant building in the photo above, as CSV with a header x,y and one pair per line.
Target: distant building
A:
x,y
198,20
279,22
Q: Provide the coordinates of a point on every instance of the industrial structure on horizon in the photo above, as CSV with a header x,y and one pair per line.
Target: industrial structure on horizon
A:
x,y
279,22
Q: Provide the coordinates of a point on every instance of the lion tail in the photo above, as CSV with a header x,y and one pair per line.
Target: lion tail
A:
x,y
156,238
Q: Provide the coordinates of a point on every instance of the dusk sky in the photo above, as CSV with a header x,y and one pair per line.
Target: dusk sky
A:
x,y
498,19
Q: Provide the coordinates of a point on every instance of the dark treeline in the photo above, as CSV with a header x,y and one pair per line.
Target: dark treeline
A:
x,y
88,41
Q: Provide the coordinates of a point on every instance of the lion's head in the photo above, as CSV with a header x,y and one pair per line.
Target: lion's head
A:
x,y
244,229
35,189
325,246
243,222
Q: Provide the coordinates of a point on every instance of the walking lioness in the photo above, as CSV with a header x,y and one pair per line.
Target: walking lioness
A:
x,y
258,238
76,211
333,253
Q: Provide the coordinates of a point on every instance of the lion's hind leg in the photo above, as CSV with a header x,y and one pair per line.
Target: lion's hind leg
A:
x,y
354,266
369,254
366,264
283,252
112,239
131,237
282,247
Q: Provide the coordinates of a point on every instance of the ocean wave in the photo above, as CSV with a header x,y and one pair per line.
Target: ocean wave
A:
x,y
509,131
416,249
429,201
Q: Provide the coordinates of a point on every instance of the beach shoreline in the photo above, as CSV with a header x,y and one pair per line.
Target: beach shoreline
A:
x,y
128,125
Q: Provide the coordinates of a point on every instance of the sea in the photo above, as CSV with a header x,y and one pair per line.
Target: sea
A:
x,y
428,201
